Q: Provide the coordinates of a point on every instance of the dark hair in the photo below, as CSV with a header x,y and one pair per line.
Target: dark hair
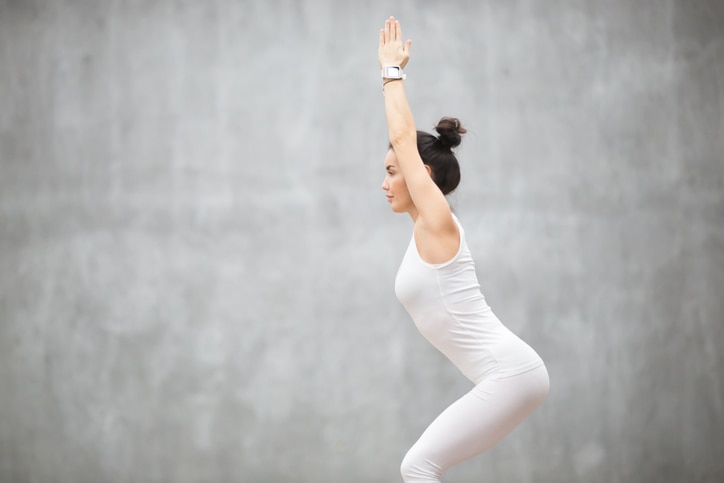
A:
x,y
436,152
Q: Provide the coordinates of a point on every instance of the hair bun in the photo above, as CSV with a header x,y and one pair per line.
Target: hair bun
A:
x,y
450,131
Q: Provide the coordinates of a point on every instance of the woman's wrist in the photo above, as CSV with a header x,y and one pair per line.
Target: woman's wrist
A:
x,y
387,81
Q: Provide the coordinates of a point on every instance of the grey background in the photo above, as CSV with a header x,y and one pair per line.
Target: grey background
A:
x,y
197,261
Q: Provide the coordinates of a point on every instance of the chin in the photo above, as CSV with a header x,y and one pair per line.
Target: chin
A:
x,y
397,210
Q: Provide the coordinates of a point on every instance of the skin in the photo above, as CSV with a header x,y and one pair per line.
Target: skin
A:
x,y
408,184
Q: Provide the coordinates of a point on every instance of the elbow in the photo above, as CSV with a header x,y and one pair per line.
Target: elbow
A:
x,y
399,137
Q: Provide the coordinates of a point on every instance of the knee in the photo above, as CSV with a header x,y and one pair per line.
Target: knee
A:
x,y
416,468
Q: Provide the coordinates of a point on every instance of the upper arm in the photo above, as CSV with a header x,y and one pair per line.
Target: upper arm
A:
x,y
432,207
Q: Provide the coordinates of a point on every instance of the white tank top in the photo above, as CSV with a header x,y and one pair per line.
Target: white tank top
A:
x,y
448,308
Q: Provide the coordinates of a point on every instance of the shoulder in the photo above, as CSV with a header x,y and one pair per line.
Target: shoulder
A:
x,y
439,241
442,222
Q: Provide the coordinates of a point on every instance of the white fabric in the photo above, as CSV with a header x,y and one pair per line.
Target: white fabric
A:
x,y
446,304
474,423
448,308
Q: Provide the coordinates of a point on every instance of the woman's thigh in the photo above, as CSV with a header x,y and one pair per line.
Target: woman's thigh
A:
x,y
481,418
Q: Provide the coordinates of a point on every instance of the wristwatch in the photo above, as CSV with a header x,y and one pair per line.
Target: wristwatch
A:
x,y
393,72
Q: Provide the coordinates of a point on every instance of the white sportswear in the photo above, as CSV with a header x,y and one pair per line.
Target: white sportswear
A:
x,y
448,308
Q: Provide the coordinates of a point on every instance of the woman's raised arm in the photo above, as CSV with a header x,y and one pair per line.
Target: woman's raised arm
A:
x,y
433,211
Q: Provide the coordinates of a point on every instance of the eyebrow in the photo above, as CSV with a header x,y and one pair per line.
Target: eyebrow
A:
x,y
387,168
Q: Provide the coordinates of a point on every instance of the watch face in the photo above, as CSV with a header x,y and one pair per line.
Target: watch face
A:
x,y
392,72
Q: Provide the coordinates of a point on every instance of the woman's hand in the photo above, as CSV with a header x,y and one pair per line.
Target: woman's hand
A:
x,y
392,51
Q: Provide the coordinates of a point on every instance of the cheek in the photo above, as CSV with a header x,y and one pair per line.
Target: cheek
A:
x,y
400,185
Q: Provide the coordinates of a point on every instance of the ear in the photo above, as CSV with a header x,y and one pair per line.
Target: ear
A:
x,y
429,170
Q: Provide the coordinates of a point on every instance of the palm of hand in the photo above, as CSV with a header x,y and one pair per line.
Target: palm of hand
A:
x,y
392,51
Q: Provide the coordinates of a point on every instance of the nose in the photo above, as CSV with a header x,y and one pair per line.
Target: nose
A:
x,y
385,184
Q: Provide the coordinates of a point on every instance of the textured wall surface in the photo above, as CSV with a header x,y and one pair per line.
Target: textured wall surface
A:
x,y
197,261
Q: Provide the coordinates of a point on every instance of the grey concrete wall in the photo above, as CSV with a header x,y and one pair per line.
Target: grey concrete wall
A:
x,y
197,261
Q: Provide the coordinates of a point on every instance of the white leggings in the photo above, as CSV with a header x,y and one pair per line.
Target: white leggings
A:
x,y
474,423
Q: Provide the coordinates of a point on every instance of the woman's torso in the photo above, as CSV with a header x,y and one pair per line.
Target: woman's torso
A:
x,y
448,308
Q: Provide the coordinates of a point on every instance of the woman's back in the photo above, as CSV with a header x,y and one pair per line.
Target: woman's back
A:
x,y
449,309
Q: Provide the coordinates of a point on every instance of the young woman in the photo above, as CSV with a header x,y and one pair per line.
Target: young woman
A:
x,y
438,286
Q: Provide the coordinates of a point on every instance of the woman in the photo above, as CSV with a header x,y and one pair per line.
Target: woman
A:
x,y
437,285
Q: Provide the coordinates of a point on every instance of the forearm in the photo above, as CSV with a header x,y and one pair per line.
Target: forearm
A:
x,y
400,123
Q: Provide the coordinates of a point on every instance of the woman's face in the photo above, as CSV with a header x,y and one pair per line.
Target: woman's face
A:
x,y
394,184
